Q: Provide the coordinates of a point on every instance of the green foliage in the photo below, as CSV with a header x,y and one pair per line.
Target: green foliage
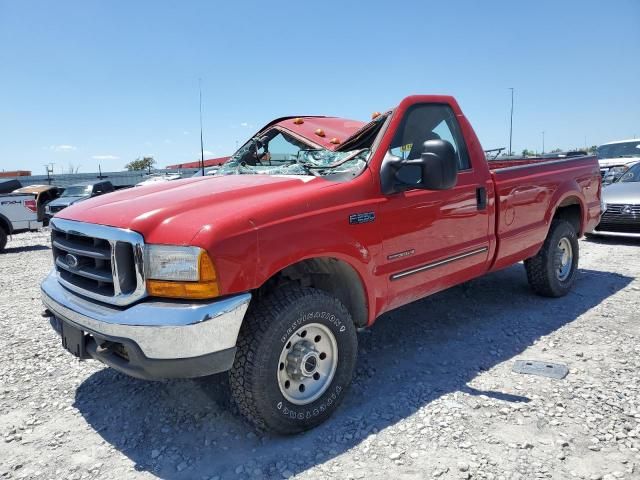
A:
x,y
144,163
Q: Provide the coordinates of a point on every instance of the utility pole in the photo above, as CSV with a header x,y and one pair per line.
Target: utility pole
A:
x,y
511,124
49,168
201,141
543,142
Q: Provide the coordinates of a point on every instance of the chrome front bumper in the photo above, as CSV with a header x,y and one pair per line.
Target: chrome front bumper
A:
x,y
162,330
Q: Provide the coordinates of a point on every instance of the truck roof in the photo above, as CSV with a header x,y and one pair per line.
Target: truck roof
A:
x,y
622,141
328,132
88,183
35,189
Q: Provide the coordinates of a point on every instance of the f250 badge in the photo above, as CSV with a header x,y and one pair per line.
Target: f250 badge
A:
x,y
365,217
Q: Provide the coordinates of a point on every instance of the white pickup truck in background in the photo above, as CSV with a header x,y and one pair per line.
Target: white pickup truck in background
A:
x,y
18,213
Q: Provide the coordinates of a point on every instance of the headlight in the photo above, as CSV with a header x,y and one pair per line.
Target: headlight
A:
x,y
616,172
168,262
179,272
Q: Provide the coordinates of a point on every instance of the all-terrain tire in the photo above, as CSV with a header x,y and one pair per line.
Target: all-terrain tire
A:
x,y
3,239
267,332
543,269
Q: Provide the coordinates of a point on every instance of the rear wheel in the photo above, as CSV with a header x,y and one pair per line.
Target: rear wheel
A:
x,y
552,271
3,239
296,355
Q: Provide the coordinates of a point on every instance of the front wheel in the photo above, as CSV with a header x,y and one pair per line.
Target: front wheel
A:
x,y
296,356
552,272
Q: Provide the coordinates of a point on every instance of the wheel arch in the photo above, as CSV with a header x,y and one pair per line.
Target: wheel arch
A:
x,y
330,274
571,208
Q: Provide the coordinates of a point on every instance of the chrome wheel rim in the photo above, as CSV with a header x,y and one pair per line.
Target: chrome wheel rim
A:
x,y
307,363
564,259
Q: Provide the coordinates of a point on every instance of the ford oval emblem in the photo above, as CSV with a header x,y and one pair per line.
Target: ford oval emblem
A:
x,y
72,260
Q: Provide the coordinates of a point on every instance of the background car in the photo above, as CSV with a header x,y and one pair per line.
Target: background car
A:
x,y
77,193
622,203
615,158
209,171
159,177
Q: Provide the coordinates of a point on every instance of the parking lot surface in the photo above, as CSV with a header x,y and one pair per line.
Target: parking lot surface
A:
x,y
433,397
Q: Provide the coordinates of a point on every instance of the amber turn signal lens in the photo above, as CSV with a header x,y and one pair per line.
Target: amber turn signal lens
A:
x,y
320,132
335,141
206,287
298,121
375,115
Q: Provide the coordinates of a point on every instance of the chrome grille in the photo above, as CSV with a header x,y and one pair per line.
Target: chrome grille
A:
x,y
623,209
621,218
99,262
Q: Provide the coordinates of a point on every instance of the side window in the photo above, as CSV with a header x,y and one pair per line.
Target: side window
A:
x,y
429,121
283,149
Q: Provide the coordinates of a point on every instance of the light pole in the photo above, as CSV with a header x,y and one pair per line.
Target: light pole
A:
x,y
511,124
201,141
543,142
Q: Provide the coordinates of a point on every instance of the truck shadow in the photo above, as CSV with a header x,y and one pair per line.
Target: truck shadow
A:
x,y
414,355
613,240
27,248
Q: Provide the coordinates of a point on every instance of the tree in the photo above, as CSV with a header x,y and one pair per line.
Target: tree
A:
x,y
144,163
528,153
556,150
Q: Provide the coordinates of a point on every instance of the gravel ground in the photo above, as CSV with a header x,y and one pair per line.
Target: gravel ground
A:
x,y
434,395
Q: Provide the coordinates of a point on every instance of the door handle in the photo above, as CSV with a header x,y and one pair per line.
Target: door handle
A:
x,y
481,198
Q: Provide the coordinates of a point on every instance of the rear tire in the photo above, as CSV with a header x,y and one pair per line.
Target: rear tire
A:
x,y
3,239
552,272
296,355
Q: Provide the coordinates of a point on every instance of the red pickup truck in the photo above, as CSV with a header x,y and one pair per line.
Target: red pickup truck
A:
x,y
313,229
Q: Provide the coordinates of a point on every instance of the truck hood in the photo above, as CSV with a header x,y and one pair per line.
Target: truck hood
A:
x,y
627,192
616,162
189,205
66,201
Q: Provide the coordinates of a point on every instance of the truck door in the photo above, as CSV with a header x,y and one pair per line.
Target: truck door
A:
x,y
434,239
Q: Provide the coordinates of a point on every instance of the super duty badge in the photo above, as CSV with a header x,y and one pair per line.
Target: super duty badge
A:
x,y
365,217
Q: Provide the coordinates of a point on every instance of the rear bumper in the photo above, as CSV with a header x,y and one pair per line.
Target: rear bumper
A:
x,y
152,339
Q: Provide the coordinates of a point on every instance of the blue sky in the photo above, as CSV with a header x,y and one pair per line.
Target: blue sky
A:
x,y
88,82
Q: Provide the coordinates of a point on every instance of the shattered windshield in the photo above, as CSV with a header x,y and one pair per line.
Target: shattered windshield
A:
x,y
277,153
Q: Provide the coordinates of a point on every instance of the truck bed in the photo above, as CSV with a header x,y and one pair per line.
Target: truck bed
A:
x,y
525,189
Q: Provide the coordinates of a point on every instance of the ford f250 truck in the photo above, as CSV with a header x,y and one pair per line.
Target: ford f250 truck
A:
x,y
314,228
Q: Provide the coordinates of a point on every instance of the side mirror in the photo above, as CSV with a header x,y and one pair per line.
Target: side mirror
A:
x,y
436,169
439,165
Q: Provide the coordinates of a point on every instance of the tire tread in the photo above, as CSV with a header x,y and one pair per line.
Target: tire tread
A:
x,y
539,276
242,377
